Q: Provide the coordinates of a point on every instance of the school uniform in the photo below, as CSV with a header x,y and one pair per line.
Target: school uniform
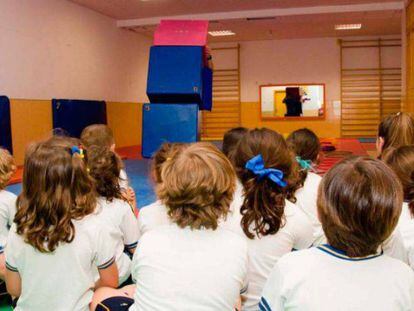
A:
x,y
121,224
265,251
325,278
123,180
179,269
306,198
63,279
7,212
152,216
406,227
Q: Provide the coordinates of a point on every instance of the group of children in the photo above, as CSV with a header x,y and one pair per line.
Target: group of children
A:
x,y
251,227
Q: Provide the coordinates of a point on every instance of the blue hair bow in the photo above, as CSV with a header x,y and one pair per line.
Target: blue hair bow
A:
x,y
256,165
305,164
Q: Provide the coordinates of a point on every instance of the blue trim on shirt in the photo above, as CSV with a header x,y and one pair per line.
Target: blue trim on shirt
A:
x,y
264,305
1,250
11,268
342,255
132,245
107,264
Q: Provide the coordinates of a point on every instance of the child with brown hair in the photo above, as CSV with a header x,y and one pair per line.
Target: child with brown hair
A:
x,y
359,204
102,136
306,147
401,161
7,204
265,214
395,130
155,214
56,242
113,209
191,263
231,139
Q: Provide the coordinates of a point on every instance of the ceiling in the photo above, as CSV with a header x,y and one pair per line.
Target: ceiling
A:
x,y
128,9
381,22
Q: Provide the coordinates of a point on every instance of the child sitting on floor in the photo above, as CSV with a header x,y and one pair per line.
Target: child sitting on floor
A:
x,y
401,161
231,139
395,130
155,214
7,204
115,212
56,241
271,223
102,136
359,204
192,263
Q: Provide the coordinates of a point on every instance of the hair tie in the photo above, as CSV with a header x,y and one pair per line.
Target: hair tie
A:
x,y
77,150
304,164
256,165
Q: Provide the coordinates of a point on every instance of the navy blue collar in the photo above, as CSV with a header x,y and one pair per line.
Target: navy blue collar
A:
x,y
342,255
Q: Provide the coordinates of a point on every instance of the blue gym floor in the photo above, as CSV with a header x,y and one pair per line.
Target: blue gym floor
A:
x,y
139,179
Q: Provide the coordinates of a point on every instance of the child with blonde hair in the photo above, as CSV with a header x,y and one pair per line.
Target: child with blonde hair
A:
x,y
56,241
7,204
191,263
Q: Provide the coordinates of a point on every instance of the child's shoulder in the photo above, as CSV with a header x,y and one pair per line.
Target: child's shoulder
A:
x,y
6,196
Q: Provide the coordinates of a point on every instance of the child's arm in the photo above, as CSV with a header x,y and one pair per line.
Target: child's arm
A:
x,y
129,228
108,277
13,283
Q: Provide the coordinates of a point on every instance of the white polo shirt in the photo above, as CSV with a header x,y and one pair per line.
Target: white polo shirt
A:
x,y
264,252
123,179
7,212
122,226
406,227
64,279
306,198
326,279
179,269
152,216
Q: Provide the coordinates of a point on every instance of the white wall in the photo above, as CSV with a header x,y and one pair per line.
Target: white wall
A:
x,y
57,49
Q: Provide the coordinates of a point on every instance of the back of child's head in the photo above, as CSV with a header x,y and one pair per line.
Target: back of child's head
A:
x,y
231,139
105,166
97,135
56,189
401,161
166,151
265,166
359,203
305,144
396,130
197,186
7,168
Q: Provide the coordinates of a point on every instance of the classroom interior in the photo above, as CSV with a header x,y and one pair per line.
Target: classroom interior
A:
x,y
352,61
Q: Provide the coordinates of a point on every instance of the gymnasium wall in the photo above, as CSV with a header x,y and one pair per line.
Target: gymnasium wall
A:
x,y
315,60
57,49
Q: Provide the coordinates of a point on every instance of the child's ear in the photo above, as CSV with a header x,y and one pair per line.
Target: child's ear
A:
x,y
379,144
113,147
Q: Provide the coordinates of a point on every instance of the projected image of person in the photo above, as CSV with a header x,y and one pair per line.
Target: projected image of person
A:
x,y
293,102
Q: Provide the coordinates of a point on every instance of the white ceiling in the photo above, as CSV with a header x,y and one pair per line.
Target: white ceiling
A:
x,y
375,22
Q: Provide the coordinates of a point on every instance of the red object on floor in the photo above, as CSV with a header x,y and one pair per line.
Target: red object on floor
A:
x,y
129,152
344,147
17,177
